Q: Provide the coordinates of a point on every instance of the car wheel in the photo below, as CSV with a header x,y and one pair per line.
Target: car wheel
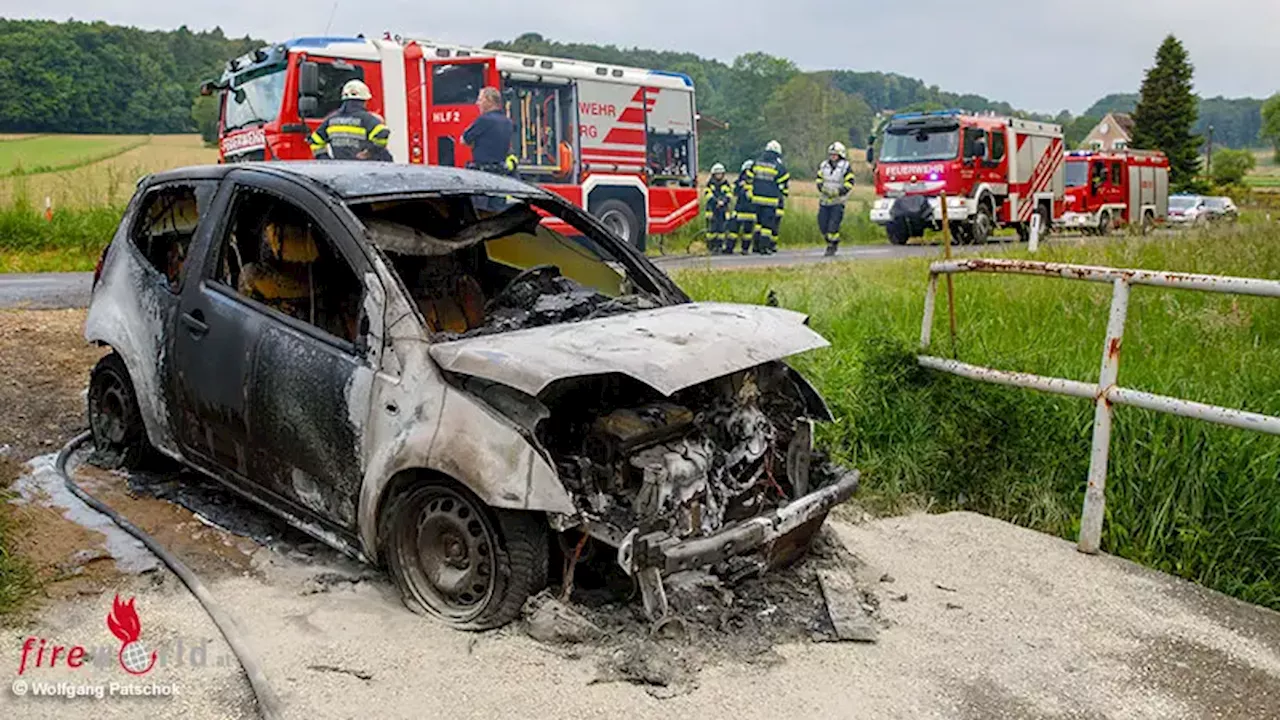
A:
x,y
119,434
983,225
1104,223
621,220
897,232
459,561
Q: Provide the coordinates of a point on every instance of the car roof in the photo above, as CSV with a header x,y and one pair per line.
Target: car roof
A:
x,y
352,180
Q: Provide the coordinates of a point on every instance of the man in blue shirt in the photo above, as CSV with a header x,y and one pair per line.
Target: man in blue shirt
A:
x,y
489,137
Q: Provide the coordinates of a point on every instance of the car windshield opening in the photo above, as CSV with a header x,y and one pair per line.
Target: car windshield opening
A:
x,y
255,100
918,144
482,264
1077,174
1182,203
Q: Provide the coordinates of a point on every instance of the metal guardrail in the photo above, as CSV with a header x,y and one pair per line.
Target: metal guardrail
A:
x,y
1105,393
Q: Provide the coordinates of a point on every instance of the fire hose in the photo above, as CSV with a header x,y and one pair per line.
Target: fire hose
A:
x,y
268,702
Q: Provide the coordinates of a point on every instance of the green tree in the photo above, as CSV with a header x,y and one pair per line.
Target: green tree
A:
x,y
1167,111
807,115
1271,123
204,111
1230,166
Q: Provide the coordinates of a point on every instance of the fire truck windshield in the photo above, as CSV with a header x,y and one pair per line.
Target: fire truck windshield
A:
x,y
254,101
917,144
1077,174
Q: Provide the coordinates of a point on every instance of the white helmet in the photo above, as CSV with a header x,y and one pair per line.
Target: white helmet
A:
x,y
356,90
837,148
774,146
717,169
746,164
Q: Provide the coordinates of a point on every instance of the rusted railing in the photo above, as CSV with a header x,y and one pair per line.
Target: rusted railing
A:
x,y
1105,393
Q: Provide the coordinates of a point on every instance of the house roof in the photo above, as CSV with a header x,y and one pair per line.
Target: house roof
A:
x,y
1124,121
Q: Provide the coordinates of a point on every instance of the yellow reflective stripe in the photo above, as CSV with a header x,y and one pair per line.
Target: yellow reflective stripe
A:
x,y
345,130
766,201
764,170
786,177
380,142
378,129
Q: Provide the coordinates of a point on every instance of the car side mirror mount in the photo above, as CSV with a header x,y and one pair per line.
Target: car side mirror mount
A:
x,y
308,106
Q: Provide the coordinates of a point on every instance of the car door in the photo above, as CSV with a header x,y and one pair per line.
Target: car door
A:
x,y
295,372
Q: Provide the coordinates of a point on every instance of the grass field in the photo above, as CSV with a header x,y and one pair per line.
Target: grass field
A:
x,y
1184,497
52,153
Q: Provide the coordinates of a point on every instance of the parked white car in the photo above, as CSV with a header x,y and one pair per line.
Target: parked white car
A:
x,y
1188,210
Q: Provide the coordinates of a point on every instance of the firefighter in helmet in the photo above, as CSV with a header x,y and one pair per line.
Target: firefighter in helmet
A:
x,y
835,182
489,137
768,183
717,198
352,132
744,214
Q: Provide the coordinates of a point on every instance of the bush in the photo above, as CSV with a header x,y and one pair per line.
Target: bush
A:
x,y
1231,166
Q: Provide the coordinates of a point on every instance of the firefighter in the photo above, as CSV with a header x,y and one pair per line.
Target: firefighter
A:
x,y
718,195
352,132
768,183
489,137
835,182
744,214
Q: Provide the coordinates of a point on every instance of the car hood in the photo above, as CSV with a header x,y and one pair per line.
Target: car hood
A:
x,y
669,349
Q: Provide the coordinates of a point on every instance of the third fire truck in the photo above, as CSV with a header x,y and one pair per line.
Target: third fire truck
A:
x,y
995,171
1108,189
617,141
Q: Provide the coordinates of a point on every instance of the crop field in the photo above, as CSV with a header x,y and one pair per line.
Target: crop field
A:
x,y
1184,496
37,154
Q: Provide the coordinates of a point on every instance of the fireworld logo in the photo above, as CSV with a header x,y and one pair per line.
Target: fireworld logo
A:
x,y
123,622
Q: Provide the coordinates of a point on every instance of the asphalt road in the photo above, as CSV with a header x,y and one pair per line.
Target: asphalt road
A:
x,y
52,291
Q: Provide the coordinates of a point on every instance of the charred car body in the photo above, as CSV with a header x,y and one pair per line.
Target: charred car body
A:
x,y
437,370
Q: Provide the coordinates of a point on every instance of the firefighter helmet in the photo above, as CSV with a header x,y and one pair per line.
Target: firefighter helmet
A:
x,y
774,146
717,169
746,164
356,90
837,148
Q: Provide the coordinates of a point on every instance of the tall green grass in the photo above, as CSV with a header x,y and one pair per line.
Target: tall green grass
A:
x,y
799,229
1183,496
71,240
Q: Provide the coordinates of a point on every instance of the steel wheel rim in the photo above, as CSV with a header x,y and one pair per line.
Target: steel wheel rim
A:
x,y
109,423
616,224
447,553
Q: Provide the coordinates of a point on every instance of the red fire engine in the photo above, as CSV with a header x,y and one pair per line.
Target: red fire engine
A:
x,y
619,142
1108,189
996,171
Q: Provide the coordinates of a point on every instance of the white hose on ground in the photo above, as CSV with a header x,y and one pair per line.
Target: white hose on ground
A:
x,y
268,703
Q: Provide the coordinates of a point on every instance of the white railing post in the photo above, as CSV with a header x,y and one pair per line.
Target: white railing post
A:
x,y
1095,497
1033,235
930,298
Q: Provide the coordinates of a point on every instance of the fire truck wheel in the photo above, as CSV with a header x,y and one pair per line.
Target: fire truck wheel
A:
x,y
960,234
621,220
897,232
983,225
1104,223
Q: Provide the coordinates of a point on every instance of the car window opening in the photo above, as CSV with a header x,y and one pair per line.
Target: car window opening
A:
x,y
480,264
166,223
275,254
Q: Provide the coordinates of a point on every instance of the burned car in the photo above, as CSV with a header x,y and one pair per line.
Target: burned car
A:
x,y
446,372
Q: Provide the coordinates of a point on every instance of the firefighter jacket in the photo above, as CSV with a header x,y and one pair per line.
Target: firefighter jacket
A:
x,y
718,196
742,203
835,182
352,133
768,181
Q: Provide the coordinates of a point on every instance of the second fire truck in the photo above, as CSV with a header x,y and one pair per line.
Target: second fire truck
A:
x,y
996,172
1106,190
617,141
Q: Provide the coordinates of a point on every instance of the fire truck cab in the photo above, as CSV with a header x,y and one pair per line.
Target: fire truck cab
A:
x,y
617,141
995,171
1106,190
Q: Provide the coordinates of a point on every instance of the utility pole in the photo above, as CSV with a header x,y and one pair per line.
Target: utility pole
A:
x,y
1209,157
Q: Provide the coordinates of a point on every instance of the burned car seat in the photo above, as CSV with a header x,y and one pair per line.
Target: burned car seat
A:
x,y
282,277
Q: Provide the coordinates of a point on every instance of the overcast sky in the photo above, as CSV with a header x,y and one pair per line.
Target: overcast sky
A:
x,y
1043,55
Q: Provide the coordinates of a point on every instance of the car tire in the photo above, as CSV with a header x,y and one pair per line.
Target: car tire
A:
x,y
494,559
621,220
115,421
897,232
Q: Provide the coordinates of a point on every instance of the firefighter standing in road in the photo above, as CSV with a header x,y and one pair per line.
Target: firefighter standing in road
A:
x,y
352,132
835,182
744,214
489,137
717,198
768,185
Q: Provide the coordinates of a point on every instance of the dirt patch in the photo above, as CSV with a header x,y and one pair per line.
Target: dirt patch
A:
x,y
44,368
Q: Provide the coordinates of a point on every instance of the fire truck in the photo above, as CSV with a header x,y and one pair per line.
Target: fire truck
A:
x,y
617,141
1108,189
995,171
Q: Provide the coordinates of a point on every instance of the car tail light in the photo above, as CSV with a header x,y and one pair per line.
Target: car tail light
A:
x,y
97,269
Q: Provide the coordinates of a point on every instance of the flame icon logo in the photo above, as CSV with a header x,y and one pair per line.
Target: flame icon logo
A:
x,y
125,625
